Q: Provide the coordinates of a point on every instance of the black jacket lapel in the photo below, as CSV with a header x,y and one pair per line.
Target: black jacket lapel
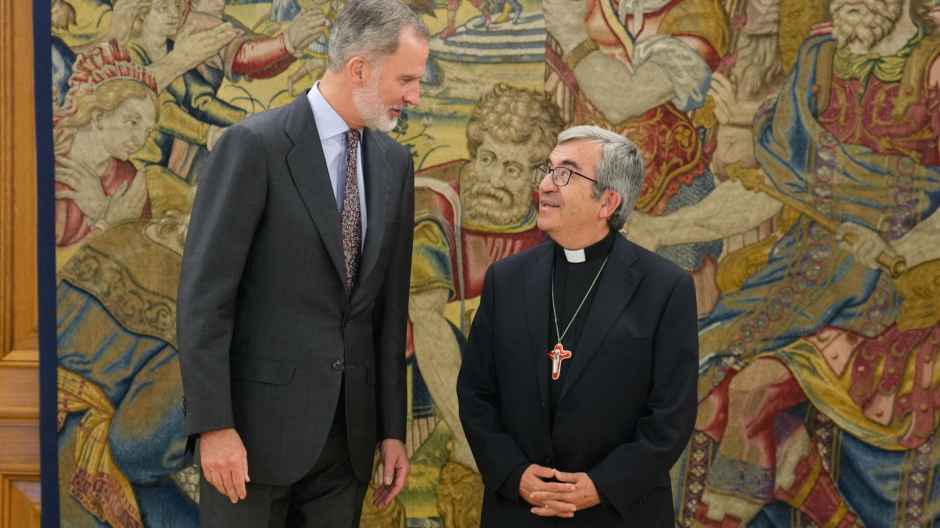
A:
x,y
614,290
377,178
308,168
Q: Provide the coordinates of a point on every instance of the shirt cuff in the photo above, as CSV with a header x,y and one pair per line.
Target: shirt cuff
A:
x,y
510,486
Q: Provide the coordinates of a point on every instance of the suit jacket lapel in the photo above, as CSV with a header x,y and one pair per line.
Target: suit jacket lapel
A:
x,y
614,290
308,168
377,178
538,276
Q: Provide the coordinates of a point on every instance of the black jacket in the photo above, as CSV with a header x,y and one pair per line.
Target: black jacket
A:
x,y
264,320
628,404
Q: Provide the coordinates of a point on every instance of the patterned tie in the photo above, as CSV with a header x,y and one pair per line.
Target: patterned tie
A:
x,y
352,217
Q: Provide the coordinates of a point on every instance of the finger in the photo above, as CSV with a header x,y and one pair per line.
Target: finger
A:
x,y
238,479
65,162
566,477
547,510
540,497
216,480
844,229
542,472
65,195
229,486
187,31
557,487
543,511
382,497
121,189
401,475
66,176
388,474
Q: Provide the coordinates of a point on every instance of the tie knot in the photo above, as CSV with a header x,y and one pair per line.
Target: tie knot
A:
x,y
352,137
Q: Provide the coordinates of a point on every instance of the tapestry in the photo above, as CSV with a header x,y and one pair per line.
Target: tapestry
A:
x,y
792,152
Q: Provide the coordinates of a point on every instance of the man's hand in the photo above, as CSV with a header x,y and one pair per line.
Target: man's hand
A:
x,y
87,192
305,28
729,109
864,243
532,484
193,47
128,203
225,462
397,468
582,497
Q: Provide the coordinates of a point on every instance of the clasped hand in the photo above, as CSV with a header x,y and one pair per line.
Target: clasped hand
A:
x,y
573,492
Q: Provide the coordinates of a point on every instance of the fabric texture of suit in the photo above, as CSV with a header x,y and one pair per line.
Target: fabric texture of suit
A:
x,y
628,402
267,331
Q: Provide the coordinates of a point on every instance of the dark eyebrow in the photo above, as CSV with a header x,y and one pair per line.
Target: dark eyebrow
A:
x,y
408,77
572,163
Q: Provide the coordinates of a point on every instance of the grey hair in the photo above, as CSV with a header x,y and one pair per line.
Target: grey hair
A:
x,y
371,29
620,168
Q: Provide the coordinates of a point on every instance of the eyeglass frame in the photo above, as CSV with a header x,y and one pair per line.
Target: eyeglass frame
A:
x,y
551,170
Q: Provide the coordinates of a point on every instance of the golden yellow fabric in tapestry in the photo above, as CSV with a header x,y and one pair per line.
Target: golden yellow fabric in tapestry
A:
x,y
433,269
702,18
831,394
97,483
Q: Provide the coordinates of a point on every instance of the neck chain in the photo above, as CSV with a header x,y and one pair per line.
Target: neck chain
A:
x,y
555,312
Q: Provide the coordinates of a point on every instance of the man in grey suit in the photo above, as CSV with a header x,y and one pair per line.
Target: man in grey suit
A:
x,y
294,290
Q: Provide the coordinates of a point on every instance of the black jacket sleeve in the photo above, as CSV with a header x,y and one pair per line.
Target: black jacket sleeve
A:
x,y
228,207
495,450
661,436
391,322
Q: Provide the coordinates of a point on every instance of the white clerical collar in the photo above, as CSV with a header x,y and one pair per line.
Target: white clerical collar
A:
x,y
575,256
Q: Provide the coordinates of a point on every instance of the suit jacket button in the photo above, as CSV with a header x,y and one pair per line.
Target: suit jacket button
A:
x,y
346,322
548,461
337,364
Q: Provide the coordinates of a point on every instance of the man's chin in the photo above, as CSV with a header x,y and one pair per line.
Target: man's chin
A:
x,y
386,125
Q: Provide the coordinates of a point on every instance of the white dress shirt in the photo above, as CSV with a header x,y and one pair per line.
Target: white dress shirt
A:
x,y
331,128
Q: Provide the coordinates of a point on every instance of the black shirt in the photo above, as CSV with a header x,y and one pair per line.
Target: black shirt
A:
x,y
571,283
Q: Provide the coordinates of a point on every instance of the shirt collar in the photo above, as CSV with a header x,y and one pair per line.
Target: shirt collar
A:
x,y
329,123
591,252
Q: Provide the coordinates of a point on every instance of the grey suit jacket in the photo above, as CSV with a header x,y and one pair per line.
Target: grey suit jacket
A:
x,y
266,329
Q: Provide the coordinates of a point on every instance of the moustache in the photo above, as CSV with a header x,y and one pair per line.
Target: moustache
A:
x,y
485,190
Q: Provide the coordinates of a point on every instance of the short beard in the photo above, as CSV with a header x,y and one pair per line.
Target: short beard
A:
x,y
483,202
873,24
369,105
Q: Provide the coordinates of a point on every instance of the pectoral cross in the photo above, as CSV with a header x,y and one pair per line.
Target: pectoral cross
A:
x,y
557,355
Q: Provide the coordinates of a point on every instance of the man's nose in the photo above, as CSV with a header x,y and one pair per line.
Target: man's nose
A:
x,y
548,184
412,94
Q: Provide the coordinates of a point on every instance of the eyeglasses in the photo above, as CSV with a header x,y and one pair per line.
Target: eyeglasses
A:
x,y
560,175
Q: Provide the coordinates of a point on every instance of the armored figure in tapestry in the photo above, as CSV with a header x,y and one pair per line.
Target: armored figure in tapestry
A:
x,y
819,365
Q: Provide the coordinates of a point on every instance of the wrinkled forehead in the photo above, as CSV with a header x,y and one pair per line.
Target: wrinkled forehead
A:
x,y
578,155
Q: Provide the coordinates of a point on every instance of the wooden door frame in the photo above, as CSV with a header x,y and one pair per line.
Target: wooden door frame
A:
x,y
20,491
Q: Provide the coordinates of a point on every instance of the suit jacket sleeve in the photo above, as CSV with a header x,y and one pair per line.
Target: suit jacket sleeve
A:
x,y
624,476
495,450
228,207
391,320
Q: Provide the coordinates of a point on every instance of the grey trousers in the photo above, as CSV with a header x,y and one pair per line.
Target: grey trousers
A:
x,y
328,496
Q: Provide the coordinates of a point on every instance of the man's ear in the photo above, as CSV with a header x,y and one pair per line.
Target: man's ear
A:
x,y
359,71
610,201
